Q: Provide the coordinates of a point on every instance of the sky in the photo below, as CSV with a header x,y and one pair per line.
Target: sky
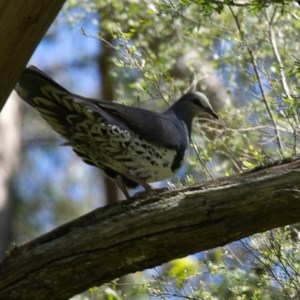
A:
x,y
67,54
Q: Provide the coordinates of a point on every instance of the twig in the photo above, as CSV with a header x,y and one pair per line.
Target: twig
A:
x,y
284,84
257,75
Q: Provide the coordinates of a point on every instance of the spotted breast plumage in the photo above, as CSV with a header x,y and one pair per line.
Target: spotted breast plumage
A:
x,y
131,145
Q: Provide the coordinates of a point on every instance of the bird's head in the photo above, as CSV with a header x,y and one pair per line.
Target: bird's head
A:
x,y
193,104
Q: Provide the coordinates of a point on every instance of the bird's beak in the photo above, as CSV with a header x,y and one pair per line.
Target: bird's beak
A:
x,y
212,113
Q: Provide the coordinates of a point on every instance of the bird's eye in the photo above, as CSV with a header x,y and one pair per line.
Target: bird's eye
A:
x,y
197,102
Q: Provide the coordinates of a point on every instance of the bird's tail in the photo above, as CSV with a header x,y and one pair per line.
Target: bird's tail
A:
x,y
33,83
56,104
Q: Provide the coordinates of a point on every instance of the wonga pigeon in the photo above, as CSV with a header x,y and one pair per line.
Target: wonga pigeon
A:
x,y
131,145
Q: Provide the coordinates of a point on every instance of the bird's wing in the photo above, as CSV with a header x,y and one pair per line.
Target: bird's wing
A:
x,y
158,128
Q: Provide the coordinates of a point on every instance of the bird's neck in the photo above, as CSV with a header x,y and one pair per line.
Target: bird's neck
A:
x,y
184,115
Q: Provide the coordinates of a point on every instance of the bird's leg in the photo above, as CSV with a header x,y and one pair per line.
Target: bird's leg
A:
x,y
148,188
121,184
139,181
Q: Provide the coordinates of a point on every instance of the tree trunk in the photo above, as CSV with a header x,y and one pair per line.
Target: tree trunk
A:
x,y
9,158
107,93
134,235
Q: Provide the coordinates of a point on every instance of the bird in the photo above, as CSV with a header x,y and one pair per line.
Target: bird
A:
x,y
131,145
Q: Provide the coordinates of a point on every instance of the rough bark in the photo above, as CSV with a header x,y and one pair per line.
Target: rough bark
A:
x,y
133,235
23,24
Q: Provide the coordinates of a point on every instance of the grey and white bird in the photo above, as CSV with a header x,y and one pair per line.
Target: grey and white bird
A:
x,y
132,145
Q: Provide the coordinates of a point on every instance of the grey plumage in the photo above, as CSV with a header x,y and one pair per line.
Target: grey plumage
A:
x,y
132,145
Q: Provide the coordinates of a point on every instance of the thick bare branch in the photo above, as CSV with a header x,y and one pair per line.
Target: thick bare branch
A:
x,y
23,24
134,235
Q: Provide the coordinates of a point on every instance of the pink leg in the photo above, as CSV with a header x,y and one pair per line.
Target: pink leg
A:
x,y
121,184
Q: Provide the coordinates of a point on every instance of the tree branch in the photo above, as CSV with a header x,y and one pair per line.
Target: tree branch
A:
x,y
23,26
133,235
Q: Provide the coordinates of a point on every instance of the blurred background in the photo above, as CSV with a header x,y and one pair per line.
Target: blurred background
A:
x,y
245,58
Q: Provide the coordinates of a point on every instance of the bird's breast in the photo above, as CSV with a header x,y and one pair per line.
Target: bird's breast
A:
x,y
108,146
149,161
